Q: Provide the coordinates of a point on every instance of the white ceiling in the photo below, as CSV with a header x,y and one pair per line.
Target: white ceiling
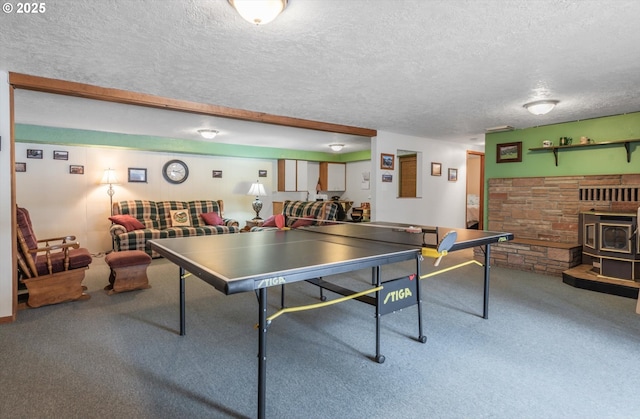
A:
x,y
435,69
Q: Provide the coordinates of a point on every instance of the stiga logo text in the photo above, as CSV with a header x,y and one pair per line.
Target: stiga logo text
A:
x,y
270,282
398,295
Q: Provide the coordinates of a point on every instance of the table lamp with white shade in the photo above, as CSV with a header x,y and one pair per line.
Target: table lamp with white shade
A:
x,y
258,190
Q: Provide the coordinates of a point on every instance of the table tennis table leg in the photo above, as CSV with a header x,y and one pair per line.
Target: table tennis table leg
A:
x,y
375,279
485,313
262,352
182,303
421,337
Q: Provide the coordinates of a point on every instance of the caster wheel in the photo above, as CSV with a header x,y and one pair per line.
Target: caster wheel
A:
x,y
422,339
380,359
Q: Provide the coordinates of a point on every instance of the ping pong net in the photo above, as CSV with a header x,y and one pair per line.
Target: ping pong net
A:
x,y
429,239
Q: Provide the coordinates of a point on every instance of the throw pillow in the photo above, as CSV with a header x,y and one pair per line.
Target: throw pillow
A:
x,y
127,221
303,222
212,218
180,218
270,222
280,222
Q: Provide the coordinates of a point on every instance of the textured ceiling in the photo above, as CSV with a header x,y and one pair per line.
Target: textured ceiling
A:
x,y
434,69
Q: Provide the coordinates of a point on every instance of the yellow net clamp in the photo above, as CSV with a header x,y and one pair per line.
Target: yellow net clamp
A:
x,y
319,305
441,271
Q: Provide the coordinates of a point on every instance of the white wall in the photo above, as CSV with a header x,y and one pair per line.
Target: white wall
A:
x,y
61,203
440,202
64,203
6,239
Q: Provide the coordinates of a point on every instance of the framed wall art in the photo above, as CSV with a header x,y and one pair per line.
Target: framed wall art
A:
x,y
60,155
21,167
453,175
216,174
436,169
137,175
76,169
262,173
387,178
386,161
34,154
509,152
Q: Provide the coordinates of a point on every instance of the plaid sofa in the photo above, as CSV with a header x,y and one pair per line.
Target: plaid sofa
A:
x,y
156,218
323,211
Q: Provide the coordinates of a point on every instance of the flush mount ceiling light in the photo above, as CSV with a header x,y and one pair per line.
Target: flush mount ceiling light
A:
x,y
259,12
336,147
209,134
541,107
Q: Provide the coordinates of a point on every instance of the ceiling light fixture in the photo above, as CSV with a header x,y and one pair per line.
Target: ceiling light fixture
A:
x,y
499,129
209,134
259,12
336,147
541,107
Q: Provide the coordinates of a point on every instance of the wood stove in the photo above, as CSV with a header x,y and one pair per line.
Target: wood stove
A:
x,y
611,244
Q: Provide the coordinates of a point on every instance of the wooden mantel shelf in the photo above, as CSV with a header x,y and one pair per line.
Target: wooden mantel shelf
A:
x,y
554,149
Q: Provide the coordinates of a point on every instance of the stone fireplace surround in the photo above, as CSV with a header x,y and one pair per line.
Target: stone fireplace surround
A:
x,y
543,213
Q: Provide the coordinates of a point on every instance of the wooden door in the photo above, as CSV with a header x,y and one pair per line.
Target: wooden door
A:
x,y
408,175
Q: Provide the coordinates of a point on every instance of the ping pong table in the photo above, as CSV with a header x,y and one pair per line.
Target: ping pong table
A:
x,y
235,263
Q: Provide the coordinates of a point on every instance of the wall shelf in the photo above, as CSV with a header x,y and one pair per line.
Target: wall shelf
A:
x,y
554,149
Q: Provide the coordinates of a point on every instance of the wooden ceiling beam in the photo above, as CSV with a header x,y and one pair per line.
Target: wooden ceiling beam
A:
x,y
88,91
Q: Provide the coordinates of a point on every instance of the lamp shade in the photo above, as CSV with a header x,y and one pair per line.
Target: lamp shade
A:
x,y
257,189
541,107
109,177
259,12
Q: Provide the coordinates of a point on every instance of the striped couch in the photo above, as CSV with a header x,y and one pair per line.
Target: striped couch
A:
x,y
157,221
322,212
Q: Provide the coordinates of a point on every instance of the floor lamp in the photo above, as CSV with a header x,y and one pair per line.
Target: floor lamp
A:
x,y
109,178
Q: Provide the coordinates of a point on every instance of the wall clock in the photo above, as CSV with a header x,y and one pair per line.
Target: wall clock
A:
x,y
175,171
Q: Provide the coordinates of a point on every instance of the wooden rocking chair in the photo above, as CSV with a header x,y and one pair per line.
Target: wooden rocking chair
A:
x,y
51,269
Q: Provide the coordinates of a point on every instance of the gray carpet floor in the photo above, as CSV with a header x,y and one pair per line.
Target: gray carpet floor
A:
x,y
547,351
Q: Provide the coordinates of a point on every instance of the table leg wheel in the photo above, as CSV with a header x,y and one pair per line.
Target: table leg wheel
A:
x,y
422,339
380,359
323,298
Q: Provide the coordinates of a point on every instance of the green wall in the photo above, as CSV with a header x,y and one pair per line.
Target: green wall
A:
x,y
66,136
576,161
596,160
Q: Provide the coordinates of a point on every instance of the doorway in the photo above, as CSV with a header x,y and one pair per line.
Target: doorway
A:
x,y
408,175
475,190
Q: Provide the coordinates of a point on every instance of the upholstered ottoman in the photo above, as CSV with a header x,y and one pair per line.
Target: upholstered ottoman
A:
x,y
128,271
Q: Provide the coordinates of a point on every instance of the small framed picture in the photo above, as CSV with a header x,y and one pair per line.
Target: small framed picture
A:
x,y
21,167
216,174
453,175
387,178
436,169
76,169
137,175
509,152
387,161
34,154
60,155
262,173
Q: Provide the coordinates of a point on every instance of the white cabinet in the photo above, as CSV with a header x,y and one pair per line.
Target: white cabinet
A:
x,y
333,176
292,175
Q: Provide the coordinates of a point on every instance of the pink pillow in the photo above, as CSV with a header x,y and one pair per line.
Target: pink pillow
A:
x,y
280,221
303,222
127,221
212,218
270,222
